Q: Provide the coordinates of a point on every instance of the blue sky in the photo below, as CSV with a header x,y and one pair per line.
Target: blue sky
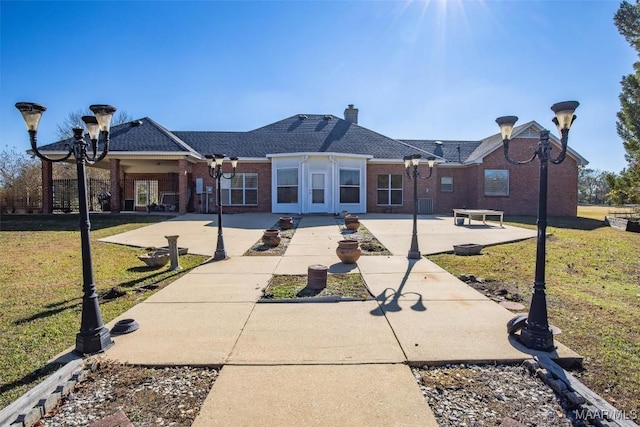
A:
x,y
439,69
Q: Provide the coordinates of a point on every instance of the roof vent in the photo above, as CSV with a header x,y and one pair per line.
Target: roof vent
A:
x,y
302,116
438,151
327,117
135,123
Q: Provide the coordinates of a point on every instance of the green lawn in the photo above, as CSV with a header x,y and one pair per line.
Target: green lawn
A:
x,y
41,287
593,283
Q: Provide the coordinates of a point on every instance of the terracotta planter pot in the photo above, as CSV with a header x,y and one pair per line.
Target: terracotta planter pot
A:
x,y
348,251
351,222
285,223
271,237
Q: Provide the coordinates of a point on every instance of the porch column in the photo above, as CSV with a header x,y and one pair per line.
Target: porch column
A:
x,y
183,188
114,175
47,187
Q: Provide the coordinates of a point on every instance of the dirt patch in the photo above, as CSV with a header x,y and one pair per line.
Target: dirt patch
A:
x,y
495,290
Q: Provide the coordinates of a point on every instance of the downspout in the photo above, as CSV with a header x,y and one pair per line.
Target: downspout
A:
x,y
334,193
301,176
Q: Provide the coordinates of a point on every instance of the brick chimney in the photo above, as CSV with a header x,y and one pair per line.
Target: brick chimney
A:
x,y
351,114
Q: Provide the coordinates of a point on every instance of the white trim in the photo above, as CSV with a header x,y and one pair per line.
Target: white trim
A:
x,y
320,154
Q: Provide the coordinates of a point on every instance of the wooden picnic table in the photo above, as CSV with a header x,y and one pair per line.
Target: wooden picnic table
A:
x,y
470,213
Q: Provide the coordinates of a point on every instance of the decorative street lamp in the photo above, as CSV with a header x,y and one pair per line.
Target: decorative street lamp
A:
x,y
93,337
536,333
409,162
215,172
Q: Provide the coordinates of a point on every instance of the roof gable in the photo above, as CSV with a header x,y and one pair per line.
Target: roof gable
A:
x,y
143,135
530,129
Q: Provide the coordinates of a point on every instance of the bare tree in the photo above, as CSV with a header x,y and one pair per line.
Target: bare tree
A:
x,y
592,186
74,120
19,180
64,170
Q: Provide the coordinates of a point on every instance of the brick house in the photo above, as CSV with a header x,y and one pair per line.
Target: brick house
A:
x,y
310,163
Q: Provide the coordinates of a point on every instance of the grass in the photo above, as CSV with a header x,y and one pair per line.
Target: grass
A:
x,y
295,286
41,287
593,283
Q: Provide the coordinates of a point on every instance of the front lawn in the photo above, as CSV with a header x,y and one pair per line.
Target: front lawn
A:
x,y
593,293
41,287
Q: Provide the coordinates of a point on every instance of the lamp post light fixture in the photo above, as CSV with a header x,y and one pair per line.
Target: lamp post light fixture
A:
x,y
411,164
93,337
536,333
215,172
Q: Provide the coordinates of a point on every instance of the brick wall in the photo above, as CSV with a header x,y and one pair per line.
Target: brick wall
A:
x,y
524,182
457,199
374,169
263,170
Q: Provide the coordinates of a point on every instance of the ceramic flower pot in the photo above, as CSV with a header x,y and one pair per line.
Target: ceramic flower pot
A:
x,y
351,222
348,251
271,237
285,223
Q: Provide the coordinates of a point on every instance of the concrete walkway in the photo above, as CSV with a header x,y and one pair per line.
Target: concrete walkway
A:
x,y
317,363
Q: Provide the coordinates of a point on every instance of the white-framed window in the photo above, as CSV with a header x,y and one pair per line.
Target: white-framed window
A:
x,y
446,184
287,185
146,192
389,189
242,189
349,186
496,182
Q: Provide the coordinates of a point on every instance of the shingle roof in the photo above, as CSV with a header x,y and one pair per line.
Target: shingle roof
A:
x,y
302,133
136,136
449,151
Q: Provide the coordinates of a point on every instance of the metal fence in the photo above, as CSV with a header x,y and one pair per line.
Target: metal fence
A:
x,y
12,201
65,194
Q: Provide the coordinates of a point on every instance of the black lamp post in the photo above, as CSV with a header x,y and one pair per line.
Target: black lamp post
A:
x,y
93,337
215,172
413,161
535,333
